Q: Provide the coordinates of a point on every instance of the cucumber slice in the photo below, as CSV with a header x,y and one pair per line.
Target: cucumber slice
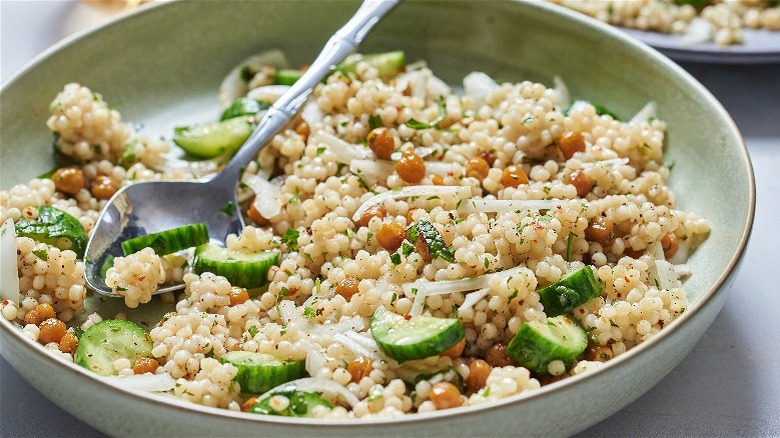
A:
x,y
570,292
169,241
287,76
416,338
388,65
209,140
301,404
108,340
538,343
260,372
249,270
56,228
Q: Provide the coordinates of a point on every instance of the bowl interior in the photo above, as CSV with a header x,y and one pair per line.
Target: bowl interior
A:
x,y
165,63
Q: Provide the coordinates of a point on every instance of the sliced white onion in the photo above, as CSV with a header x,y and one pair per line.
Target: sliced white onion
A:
x,y
315,384
564,98
315,361
234,85
478,86
376,169
473,298
606,163
144,382
462,285
683,270
418,305
358,344
699,31
684,249
646,113
8,263
667,276
311,114
410,191
267,196
422,83
346,324
342,151
268,93
504,205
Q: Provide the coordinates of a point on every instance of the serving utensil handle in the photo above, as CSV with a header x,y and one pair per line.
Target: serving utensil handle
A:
x,y
341,44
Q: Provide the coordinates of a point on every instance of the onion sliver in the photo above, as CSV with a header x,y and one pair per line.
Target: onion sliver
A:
x,y
646,113
473,298
410,191
8,263
315,384
503,205
144,382
342,151
267,195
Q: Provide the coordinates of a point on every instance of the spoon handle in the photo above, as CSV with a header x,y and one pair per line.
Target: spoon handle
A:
x,y
341,44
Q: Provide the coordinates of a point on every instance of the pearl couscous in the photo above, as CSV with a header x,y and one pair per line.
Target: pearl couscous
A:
x,y
391,196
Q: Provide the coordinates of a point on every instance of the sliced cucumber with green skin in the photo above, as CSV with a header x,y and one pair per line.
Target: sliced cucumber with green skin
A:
x,y
302,404
260,372
106,341
244,107
169,241
56,228
538,343
416,338
570,292
209,140
388,64
287,76
249,270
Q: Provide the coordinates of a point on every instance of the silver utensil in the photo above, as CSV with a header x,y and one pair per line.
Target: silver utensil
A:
x,y
152,206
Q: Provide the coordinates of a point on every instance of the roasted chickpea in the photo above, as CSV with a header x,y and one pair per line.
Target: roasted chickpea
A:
x,y
103,187
479,370
513,176
256,216
390,236
437,180
445,395
33,317
570,142
145,365
456,350
347,287
670,245
46,311
496,356
238,295
381,141
69,342
477,168
359,367
580,181
303,130
600,230
52,330
411,168
248,404
375,211
68,180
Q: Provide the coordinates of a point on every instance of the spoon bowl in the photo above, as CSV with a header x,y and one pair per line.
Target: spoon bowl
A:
x,y
153,206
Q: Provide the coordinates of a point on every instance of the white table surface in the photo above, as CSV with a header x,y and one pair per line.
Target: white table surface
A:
x,y
729,385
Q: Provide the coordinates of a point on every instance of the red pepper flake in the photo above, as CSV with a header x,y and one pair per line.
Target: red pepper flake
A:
x,y
142,278
407,317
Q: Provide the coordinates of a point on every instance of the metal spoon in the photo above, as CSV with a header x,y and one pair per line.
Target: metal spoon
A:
x,y
152,206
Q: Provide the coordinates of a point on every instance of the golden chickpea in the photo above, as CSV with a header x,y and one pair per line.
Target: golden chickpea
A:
x,y
456,350
437,180
479,370
33,317
248,404
238,295
46,311
496,356
381,141
390,236
600,230
68,180
238,346
303,130
375,211
359,367
103,187
411,168
52,330
69,342
513,176
145,365
445,395
570,142
670,245
580,181
348,287
477,168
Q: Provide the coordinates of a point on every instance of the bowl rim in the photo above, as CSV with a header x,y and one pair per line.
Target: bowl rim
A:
x,y
8,328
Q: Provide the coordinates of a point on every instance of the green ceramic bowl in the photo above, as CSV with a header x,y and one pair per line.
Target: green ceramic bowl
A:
x,y
164,64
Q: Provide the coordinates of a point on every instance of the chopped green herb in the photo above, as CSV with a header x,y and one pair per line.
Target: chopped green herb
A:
x,y
512,297
414,124
308,312
283,292
41,254
229,208
375,121
528,119
295,198
395,258
433,240
252,331
290,239
406,248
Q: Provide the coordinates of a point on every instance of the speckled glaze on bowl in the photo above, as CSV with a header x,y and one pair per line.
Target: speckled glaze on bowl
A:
x,y
164,65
